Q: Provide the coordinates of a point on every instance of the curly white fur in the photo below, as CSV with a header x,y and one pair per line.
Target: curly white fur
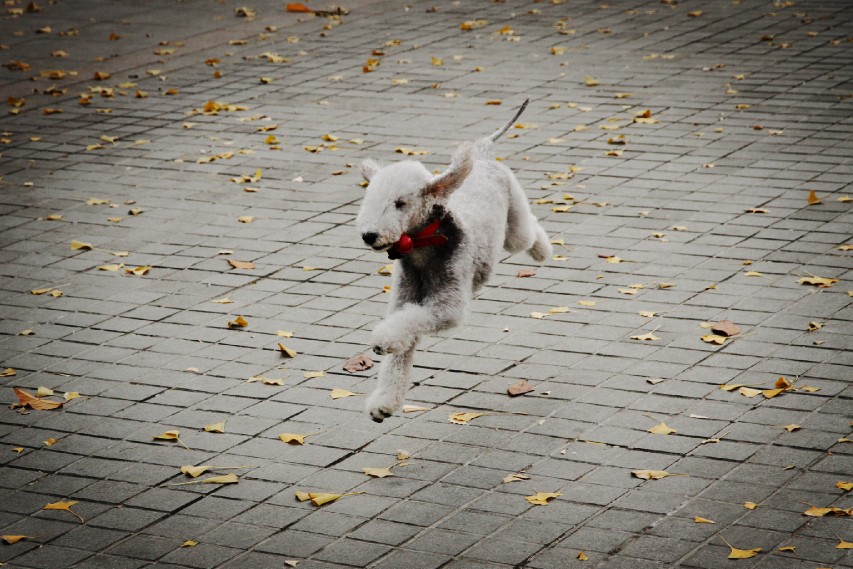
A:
x,y
485,210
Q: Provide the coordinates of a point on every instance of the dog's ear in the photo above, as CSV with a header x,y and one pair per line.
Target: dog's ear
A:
x,y
460,166
369,168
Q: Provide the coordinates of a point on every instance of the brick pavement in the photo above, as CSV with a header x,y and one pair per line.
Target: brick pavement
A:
x,y
750,108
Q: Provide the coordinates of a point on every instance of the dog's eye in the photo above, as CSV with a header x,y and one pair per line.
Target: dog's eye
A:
x,y
399,204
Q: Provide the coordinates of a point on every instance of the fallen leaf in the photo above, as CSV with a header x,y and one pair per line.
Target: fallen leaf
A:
x,y
586,302
173,435
558,310
750,505
238,322
813,326
224,479
111,268
525,273
647,313
813,199
215,427
590,81
378,472
44,391
26,399
313,374
753,274
844,544
13,539
298,8
582,556
189,543
725,328
358,363
714,339
292,439
245,219
139,271
286,352
515,478
224,300
78,245
463,418
50,442
650,474
816,512
820,282
519,388
793,427
265,380
749,392
415,409
743,553
8,372
662,429
542,498
284,334
648,336
319,498
386,270
64,506
791,548
339,393
699,520
846,486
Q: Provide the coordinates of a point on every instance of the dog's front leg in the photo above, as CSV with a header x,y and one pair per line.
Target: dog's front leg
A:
x,y
400,330
394,372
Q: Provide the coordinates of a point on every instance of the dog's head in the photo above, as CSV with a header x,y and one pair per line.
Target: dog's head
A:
x,y
401,197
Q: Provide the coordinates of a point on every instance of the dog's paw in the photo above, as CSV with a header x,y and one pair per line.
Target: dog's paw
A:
x,y
383,342
382,405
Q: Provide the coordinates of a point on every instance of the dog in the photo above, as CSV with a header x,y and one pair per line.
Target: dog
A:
x,y
445,234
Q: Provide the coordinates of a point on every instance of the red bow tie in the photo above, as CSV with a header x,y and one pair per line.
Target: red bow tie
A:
x,y
426,238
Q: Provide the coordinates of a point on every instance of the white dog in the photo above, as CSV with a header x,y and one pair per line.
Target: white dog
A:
x,y
446,233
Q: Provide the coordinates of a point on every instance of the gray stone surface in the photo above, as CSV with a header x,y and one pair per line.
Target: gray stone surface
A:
x,y
752,102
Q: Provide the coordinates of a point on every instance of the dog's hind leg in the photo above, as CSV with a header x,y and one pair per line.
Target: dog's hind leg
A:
x,y
394,373
523,232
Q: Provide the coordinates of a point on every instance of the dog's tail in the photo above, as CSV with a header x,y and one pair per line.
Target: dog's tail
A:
x,y
499,133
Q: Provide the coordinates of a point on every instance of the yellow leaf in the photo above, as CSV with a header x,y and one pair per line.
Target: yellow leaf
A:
x,y
44,392
590,81
515,478
378,472
111,268
50,442
139,271
224,300
215,427
77,245
650,474
292,439
238,322
189,543
820,282
813,199
813,326
750,505
771,393
793,427
753,274
662,429
743,553
53,217
265,380
699,520
284,334
19,450
414,409
846,486
64,506
224,479
714,339
13,539
558,310
588,303
844,544
538,315
313,374
648,336
386,270
173,435
26,399
195,471
791,548
749,392
245,219
816,512
463,418
339,393
542,498
286,352
97,201
582,556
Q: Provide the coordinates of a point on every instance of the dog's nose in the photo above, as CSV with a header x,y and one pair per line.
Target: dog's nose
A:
x,y
369,237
